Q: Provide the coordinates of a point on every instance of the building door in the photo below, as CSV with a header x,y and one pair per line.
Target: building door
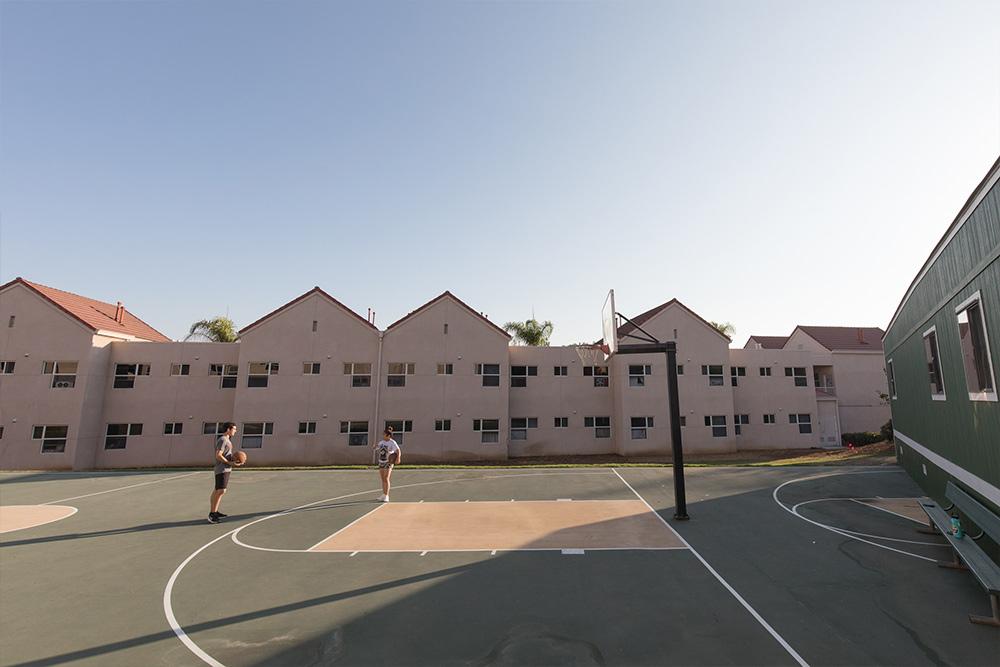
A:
x,y
829,424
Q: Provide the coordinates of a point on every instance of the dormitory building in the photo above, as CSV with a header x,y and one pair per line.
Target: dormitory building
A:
x,y
86,384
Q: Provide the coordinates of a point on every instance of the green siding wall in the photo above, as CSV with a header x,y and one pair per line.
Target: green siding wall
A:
x,y
963,431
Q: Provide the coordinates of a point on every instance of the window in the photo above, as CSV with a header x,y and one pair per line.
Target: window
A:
x,y
10,322
361,376
599,373
738,421
259,372
519,427
1,432
118,434
561,422
445,328
684,421
714,374
357,433
490,373
601,426
228,373
446,369
933,359
765,371
6,367
975,346
53,438
892,378
125,374
307,428
519,375
173,428
442,424
680,369
254,432
315,325
180,369
799,373
63,373
768,419
489,428
718,424
637,375
804,422
398,372
399,427
736,372
560,371
639,426
213,428
310,368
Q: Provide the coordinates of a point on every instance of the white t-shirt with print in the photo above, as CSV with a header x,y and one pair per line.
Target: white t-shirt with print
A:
x,y
385,450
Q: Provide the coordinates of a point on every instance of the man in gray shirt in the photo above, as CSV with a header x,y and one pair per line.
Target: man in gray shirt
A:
x,y
223,466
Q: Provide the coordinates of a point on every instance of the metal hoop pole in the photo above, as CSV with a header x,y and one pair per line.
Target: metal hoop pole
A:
x,y
680,497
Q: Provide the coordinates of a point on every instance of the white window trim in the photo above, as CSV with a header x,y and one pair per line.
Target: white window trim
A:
x,y
988,396
943,396
891,377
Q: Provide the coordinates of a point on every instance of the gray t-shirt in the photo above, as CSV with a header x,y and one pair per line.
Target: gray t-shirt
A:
x,y
226,447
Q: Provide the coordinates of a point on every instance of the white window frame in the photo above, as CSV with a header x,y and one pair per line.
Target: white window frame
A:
x,y
790,371
560,371
794,418
311,367
488,436
228,374
738,422
680,369
481,370
765,371
942,395
890,372
735,373
445,368
249,440
49,439
7,367
270,368
560,422
307,428
61,377
717,422
639,427
175,428
405,426
217,429
989,395
408,368
177,370
442,425
359,380
636,378
131,431
357,432
519,427
138,369
601,426
706,370
520,379
602,377
769,419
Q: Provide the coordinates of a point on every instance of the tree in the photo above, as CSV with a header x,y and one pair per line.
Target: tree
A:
x,y
725,328
218,330
530,332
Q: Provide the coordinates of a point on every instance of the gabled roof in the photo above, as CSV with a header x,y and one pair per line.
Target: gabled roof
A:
x,y
446,295
769,342
314,290
641,319
845,338
93,314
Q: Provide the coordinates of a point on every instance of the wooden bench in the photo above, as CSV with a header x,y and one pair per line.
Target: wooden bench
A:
x,y
967,554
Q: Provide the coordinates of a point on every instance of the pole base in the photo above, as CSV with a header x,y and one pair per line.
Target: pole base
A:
x,y
681,517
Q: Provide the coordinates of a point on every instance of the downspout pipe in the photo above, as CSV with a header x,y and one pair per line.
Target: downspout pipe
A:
x,y
378,386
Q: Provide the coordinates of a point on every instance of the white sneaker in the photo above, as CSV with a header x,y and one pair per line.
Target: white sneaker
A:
x,y
385,499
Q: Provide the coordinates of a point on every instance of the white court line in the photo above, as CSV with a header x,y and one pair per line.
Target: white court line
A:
x,y
883,509
746,605
342,529
423,553
121,488
795,510
11,530
353,554
840,531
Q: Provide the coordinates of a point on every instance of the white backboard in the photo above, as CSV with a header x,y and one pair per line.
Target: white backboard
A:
x,y
609,323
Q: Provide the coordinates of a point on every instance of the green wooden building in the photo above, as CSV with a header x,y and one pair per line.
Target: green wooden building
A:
x,y
942,352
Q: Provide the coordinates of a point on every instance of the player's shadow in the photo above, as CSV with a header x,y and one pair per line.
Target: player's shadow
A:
x,y
227,524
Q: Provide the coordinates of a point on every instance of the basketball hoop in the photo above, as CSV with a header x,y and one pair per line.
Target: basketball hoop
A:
x,y
592,355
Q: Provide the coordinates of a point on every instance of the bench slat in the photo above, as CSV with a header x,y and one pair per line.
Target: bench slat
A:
x,y
978,561
976,511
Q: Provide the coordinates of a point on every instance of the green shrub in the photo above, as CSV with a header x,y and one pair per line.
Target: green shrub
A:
x,y
886,431
861,439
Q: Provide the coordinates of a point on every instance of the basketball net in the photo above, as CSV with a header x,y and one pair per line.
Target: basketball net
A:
x,y
592,355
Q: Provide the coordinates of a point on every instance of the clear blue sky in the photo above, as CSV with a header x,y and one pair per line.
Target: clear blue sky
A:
x,y
767,163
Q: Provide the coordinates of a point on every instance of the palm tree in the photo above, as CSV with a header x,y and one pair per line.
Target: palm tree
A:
x,y
530,332
218,330
725,328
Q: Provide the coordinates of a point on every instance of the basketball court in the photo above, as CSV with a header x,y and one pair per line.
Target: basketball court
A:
x,y
504,566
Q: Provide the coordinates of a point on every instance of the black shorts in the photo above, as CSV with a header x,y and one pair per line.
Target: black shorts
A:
x,y
221,480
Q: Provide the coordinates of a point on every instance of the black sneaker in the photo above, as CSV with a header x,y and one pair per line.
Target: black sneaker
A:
x,y
213,518
221,515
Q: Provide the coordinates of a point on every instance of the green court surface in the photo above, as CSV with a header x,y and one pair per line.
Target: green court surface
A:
x,y
778,566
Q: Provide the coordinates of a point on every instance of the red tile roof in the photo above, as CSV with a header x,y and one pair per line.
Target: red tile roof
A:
x,y
314,290
769,342
445,295
642,318
846,338
96,315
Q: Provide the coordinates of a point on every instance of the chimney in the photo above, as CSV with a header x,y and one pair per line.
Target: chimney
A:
x,y
861,335
369,315
120,313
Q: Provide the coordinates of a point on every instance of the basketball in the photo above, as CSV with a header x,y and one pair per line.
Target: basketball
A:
x,y
240,457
